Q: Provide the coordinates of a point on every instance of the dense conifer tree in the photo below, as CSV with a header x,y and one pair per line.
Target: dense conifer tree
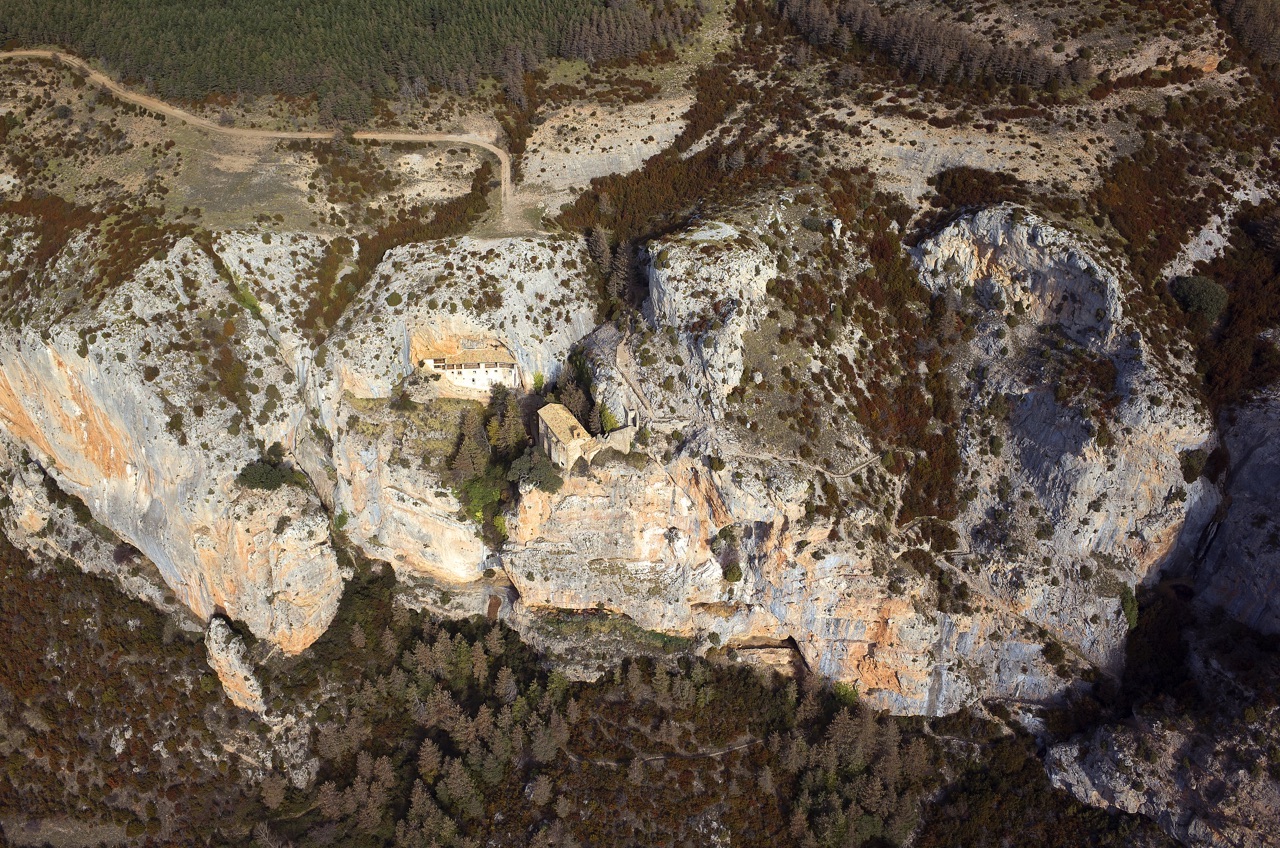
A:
x,y
343,53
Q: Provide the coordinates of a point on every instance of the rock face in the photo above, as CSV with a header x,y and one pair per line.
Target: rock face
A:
x,y
117,407
50,527
622,533
1202,770
1207,804
1072,496
226,656
148,406
148,402
1076,429
530,295
710,304
1239,568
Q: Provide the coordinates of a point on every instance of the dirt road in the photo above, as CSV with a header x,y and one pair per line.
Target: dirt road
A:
x,y
169,110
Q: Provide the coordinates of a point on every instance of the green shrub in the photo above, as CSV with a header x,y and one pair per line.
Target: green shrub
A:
x,y
846,693
1192,462
260,475
536,467
481,495
608,422
1129,604
1200,297
270,471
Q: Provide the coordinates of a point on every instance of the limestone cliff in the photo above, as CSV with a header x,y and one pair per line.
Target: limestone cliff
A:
x,y
149,405
1076,428
1201,763
1074,489
118,403
226,655
530,295
1200,758
707,286
1181,779
1237,557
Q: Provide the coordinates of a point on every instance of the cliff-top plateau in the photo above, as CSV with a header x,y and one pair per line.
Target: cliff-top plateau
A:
x,y
653,422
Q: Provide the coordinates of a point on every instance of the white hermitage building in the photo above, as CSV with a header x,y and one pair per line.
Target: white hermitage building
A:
x,y
474,368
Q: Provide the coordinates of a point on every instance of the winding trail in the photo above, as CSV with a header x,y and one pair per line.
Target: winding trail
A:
x,y
169,110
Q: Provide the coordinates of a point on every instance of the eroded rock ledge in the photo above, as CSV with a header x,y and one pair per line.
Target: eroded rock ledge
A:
x,y
1071,497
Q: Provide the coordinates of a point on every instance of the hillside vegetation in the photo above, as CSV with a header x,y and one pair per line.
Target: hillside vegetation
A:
x,y
1256,24
454,734
342,53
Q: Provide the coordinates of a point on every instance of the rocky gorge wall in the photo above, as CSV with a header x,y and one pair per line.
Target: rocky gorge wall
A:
x,y
124,407
116,409
1062,517
1237,558
1074,418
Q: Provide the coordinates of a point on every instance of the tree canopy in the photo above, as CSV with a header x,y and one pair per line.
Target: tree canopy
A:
x,y
344,53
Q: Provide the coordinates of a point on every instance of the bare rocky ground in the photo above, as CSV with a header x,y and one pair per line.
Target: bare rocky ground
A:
x,y
92,151
582,141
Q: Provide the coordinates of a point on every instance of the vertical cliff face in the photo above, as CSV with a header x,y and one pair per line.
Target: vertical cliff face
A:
x,y
659,544
1239,555
1176,775
148,406
1198,757
1075,430
385,460
706,286
631,540
147,402
116,402
1072,437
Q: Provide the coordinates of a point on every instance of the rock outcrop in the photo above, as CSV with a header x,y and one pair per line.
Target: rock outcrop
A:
x,y
1239,556
631,540
1062,517
386,465
120,404
226,653
1202,766
1205,802
148,407
706,286
147,403
1075,428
